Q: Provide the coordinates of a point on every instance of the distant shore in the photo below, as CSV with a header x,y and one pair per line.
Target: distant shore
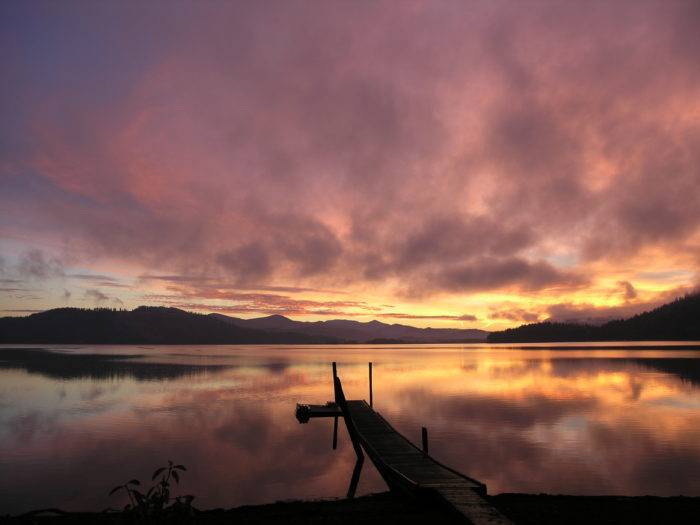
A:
x,y
384,508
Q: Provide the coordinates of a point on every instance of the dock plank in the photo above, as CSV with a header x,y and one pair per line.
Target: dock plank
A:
x,y
406,467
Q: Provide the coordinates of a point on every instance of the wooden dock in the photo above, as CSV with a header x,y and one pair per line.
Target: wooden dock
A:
x,y
403,466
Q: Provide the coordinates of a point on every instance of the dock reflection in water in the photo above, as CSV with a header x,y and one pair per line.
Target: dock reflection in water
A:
x,y
581,421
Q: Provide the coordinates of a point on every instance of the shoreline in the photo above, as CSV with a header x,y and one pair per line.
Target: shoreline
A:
x,y
387,507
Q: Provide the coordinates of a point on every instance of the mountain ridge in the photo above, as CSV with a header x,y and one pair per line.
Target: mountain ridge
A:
x,y
167,325
142,325
359,331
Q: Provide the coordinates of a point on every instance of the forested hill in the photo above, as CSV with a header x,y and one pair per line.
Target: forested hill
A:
x,y
159,325
676,321
143,325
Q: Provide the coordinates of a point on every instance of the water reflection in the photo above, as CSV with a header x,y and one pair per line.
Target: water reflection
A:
x,y
686,368
62,365
585,421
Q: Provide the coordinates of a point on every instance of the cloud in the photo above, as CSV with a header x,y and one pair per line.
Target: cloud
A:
x,y
396,315
427,149
202,282
33,264
263,303
586,312
590,313
89,277
628,290
250,261
175,278
98,280
97,296
269,304
513,313
494,273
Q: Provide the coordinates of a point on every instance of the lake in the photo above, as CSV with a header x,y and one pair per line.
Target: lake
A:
x,y
567,419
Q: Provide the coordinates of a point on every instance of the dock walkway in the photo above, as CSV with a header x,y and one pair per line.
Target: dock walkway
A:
x,y
402,465
407,468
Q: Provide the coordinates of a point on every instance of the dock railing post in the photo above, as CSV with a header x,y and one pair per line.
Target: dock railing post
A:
x,y
424,439
371,400
335,419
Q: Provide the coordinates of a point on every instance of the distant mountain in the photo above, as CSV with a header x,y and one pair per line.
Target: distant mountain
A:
x,y
356,331
159,325
676,321
143,325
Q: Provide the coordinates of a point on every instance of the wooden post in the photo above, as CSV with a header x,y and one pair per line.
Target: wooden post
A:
x,y
350,424
424,437
371,403
335,432
355,479
335,419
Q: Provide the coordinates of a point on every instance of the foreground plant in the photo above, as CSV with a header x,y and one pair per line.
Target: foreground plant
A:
x,y
157,499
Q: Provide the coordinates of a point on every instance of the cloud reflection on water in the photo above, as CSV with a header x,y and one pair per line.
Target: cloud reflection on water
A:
x,y
517,420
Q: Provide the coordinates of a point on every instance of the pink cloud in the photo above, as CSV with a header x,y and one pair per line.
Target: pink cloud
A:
x,y
431,148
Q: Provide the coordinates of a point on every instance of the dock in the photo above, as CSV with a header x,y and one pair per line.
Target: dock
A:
x,y
404,467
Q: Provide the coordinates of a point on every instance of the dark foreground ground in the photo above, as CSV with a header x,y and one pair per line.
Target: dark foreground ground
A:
x,y
387,508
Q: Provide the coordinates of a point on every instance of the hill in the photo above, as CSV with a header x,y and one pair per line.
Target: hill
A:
x,y
368,332
678,320
159,325
143,325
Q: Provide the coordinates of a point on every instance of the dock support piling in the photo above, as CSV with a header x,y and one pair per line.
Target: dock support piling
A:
x,y
355,479
370,385
335,432
424,439
335,371
352,431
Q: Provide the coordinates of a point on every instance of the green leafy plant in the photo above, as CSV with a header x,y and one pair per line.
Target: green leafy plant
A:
x,y
157,499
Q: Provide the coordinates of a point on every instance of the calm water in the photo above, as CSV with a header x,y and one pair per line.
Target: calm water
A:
x,y
577,420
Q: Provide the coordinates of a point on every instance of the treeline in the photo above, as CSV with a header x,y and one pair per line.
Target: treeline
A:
x,y
143,325
676,321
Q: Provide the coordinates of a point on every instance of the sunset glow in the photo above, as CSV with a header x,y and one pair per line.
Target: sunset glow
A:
x,y
446,164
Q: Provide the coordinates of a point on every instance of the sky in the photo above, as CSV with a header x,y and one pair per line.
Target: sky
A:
x,y
447,164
